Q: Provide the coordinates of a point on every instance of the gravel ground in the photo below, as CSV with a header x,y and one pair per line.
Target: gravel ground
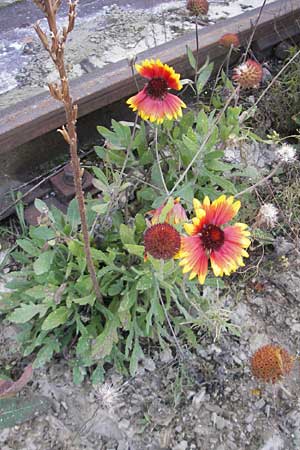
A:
x,y
208,401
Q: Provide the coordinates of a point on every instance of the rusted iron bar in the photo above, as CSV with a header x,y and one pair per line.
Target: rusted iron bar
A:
x,y
38,115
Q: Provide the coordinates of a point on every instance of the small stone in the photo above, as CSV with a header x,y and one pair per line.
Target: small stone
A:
x,y
198,399
282,246
221,423
149,364
249,418
275,442
260,404
166,356
181,446
165,437
296,327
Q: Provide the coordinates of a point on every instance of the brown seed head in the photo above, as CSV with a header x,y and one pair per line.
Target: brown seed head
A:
x,y
230,40
162,241
197,7
271,362
248,74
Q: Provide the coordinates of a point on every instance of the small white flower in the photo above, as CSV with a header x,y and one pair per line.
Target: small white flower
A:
x,y
286,153
267,216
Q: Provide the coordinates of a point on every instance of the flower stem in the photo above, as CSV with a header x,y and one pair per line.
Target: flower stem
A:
x,y
158,160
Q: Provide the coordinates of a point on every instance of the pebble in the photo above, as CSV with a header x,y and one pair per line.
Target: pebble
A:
x,y
260,404
283,246
149,364
275,442
181,446
166,356
198,399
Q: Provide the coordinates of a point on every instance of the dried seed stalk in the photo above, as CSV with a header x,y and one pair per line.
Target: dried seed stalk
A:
x,y
62,93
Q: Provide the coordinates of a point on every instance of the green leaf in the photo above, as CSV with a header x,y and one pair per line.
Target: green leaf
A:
x,y
202,125
115,288
191,57
41,206
100,175
223,183
145,282
42,233
215,282
140,223
45,353
218,166
127,234
56,318
98,375
136,355
101,208
37,292
83,346
87,300
14,411
204,75
27,312
129,299
73,214
104,342
43,263
28,247
79,374
137,250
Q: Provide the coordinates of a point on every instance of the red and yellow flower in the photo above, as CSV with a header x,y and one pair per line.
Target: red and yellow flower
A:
x,y
209,240
154,102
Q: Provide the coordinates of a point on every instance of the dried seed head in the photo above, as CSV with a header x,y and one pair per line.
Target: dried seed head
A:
x,y
286,153
108,395
162,241
271,362
248,74
267,216
197,7
230,40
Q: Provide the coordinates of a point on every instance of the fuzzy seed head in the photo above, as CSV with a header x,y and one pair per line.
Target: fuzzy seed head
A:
x,y
108,395
197,7
248,74
271,363
286,153
230,40
162,241
267,216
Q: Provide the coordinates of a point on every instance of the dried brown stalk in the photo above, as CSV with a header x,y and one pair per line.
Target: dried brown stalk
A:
x,y
61,92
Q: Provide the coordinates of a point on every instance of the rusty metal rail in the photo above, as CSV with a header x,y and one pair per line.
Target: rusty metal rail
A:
x,y
41,114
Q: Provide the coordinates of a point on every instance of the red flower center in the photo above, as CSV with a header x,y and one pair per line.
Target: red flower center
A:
x,y
157,88
162,241
212,237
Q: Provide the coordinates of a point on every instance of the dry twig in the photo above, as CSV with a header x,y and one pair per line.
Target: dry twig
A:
x,y
61,92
